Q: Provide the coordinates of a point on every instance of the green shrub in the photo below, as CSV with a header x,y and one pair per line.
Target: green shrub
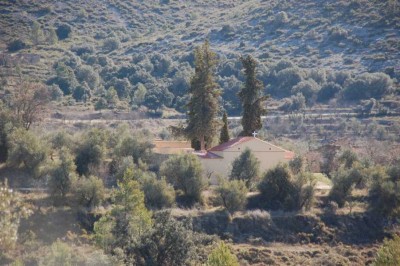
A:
x,y
294,103
389,253
16,45
366,86
384,193
158,194
91,151
138,147
328,91
63,31
61,177
111,44
342,187
296,165
185,173
26,150
123,225
232,195
348,158
89,191
309,89
276,187
168,242
222,256
246,168
280,190
344,180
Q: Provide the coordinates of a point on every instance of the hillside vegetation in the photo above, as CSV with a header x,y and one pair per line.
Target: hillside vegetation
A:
x,y
144,49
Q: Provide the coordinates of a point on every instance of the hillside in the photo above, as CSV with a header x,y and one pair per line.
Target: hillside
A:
x,y
123,44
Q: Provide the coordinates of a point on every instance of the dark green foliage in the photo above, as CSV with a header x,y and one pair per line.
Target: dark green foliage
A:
x,y
168,242
91,152
63,31
136,146
251,98
128,220
157,96
26,150
231,86
329,161
185,173
111,44
385,193
55,92
328,91
283,77
344,180
309,89
162,64
348,158
82,49
203,104
62,175
294,103
366,86
246,168
158,194
280,190
338,33
232,195
101,104
277,188
122,86
296,164
224,135
16,45
89,191
89,75
65,78
61,139
81,93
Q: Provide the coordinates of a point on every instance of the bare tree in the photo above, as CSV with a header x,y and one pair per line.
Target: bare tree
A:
x,y
29,102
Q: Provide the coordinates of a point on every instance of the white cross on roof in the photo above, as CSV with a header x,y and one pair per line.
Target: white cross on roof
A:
x,y
255,134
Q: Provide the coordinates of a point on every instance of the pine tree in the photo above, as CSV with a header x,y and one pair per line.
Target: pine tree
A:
x,y
224,135
252,98
203,104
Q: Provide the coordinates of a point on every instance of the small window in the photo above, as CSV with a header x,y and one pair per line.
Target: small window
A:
x,y
269,148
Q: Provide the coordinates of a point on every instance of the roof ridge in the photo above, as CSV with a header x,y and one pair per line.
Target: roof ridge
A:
x,y
230,143
238,140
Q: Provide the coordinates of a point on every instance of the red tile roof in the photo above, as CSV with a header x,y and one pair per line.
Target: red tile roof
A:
x,y
230,143
207,155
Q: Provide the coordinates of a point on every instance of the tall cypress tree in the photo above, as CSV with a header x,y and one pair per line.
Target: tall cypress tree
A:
x,y
203,104
224,135
251,98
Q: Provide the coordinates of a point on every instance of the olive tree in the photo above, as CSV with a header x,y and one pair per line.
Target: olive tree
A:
x,y
232,195
246,168
185,173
